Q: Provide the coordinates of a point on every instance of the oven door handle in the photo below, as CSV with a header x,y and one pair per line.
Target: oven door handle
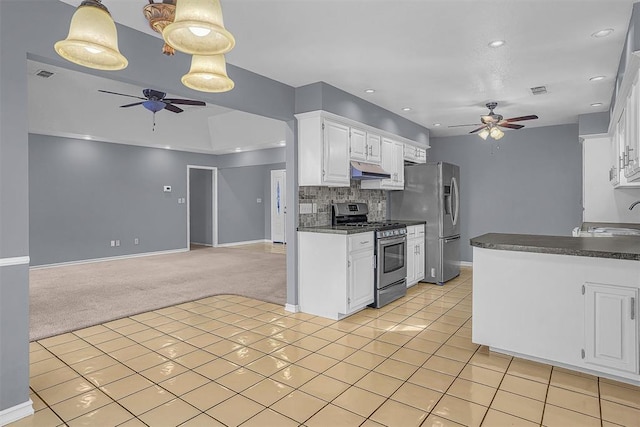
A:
x,y
394,241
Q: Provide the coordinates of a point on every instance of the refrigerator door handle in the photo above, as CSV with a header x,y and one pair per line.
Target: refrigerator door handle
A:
x,y
451,239
454,184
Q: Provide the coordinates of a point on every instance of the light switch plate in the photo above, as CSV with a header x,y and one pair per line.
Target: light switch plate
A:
x,y
306,208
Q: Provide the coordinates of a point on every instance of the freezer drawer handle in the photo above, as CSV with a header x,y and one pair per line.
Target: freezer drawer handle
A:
x,y
452,239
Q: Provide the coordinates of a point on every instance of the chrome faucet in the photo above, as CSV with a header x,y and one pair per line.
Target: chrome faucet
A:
x,y
633,205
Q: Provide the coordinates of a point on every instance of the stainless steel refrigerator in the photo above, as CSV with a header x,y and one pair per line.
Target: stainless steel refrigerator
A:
x,y
431,194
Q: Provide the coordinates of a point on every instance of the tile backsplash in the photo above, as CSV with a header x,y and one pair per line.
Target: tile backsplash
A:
x,y
323,197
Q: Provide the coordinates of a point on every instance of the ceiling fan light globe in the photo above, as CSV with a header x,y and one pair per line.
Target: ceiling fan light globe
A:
x,y
198,28
92,40
208,74
484,133
496,133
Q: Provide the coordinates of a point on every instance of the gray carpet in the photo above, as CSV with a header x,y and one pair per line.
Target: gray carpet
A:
x,y
68,298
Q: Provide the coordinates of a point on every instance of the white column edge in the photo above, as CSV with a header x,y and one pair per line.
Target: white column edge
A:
x,y
16,412
292,308
18,260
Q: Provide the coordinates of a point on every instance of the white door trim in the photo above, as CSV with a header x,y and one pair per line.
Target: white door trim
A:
x,y
214,203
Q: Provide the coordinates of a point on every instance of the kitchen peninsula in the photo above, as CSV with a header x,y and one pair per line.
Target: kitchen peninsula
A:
x,y
567,301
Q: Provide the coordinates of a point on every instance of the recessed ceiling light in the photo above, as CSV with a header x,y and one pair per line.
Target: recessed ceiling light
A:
x,y
282,143
596,78
406,109
87,137
238,149
497,43
602,33
167,147
369,90
597,104
437,124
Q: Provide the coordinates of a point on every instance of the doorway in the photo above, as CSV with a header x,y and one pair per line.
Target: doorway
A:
x,y
278,206
202,206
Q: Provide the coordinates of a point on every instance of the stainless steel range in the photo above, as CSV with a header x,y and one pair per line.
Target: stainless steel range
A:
x,y
390,249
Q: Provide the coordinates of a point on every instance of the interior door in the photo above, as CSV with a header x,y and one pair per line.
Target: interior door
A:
x,y
278,205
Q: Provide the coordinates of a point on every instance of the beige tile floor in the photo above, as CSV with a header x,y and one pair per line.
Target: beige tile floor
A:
x,y
230,360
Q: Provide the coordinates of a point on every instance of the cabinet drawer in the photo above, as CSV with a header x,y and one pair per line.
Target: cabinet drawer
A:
x,y
412,230
419,230
361,241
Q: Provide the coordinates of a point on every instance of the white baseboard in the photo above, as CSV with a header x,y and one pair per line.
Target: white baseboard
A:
x,y
202,244
292,308
18,260
246,242
466,264
113,258
16,413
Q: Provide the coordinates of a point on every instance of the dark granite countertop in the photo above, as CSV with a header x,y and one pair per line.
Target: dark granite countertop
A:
x,y
408,222
337,229
619,247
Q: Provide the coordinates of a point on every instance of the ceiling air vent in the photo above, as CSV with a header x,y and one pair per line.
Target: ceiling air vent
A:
x,y
44,74
539,90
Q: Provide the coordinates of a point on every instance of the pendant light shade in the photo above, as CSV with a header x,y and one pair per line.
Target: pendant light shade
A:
x,y
92,41
208,74
198,28
484,133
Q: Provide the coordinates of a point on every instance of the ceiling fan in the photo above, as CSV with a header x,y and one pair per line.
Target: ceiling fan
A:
x,y
155,101
492,122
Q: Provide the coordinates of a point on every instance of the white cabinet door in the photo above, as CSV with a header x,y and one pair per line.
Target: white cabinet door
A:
x,y
373,142
632,170
359,149
420,259
388,161
336,154
411,262
611,327
361,280
614,169
398,158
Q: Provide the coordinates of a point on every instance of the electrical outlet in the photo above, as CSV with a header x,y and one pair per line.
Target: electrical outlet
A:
x,y
258,200
136,241
306,208
117,242
113,243
167,189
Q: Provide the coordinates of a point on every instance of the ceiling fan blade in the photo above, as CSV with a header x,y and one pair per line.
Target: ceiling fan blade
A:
x,y
519,119
131,105
173,108
121,94
510,126
459,126
185,102
479,129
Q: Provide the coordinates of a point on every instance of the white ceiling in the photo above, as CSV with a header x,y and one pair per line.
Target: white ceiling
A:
x,y
211,129
431,55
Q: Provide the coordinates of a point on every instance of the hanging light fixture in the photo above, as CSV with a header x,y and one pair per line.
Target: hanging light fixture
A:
x,y
92,40
484,133
198,28
159,16
208,74
496,133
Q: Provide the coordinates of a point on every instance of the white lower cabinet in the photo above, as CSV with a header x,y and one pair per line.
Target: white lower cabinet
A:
x,y
335,273
415,254
611,327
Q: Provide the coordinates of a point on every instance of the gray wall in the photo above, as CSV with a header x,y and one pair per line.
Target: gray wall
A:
x,y
83,194
200,209
322,96
532,184
240,216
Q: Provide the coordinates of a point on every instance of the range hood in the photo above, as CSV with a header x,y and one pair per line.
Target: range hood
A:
x,y
362,170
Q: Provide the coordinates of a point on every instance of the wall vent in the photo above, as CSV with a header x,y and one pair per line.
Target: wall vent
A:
x,y
539,90
44,74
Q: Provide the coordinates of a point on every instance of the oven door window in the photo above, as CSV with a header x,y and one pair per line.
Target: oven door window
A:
x,y
393,257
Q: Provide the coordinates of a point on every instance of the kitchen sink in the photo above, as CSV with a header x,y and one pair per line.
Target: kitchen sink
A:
x,y
610,231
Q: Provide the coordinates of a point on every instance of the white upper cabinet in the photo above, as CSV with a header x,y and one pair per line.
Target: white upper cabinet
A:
x,y
365,147
328,143
359,150
373,144
415,154
393,163
631,155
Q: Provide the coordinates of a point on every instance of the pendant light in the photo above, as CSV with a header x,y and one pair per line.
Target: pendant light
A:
x,y
198,28
92,40
208,74
484,133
